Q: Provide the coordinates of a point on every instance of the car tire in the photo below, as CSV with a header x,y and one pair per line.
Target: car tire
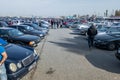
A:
x,y
111,46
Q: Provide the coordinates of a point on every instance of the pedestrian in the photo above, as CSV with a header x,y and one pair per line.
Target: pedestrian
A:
x,y
92,32
3,57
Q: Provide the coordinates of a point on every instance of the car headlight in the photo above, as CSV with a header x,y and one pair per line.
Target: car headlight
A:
x,y
13,67
19,65
41,35
31,42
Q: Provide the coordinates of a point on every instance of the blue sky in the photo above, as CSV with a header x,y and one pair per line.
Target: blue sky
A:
x,y
56,7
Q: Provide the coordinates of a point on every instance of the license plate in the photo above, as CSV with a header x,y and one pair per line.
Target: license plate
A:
x,y
32,66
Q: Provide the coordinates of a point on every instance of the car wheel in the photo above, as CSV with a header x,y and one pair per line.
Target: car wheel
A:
x,y
111,46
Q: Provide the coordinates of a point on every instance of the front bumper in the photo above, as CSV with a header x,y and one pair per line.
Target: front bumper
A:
x,y
100,44
22,72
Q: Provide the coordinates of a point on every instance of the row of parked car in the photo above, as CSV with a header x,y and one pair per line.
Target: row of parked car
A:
x,y
108,36
19,42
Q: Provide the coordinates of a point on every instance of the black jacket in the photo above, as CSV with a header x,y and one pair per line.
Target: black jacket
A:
x,y
92,31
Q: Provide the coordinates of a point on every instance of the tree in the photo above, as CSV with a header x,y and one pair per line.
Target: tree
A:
x,y
106,13
117,13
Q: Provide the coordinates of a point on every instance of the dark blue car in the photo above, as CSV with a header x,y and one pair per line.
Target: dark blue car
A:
x,y
28,30
20,60
15,36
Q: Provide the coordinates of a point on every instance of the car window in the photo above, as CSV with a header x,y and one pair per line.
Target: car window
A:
x,y
35,25
3,32
29,28
103,29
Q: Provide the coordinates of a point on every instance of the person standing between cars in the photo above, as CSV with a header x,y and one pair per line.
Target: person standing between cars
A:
x,y
3,57
92,32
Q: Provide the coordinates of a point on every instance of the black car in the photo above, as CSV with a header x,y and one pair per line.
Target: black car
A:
x,y
28,30
15,36
109,41
20,60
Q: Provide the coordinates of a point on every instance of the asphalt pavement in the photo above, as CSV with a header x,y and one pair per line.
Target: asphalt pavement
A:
x,y
64,55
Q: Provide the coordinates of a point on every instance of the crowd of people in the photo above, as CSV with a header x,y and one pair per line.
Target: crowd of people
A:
x,y
56,23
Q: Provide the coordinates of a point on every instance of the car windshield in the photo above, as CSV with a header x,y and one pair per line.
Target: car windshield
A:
x,y
103,29
15,33
29,28
4,24
113,29
35,25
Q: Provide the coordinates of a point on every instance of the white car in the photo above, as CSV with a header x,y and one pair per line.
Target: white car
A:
x,y
82,28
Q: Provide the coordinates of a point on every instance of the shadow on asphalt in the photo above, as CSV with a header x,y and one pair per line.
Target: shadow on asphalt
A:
x,y
73,45
107,61
99,58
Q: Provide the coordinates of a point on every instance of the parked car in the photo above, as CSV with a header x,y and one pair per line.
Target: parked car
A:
x,y
82,28
20,60
103,29
28,30
36,27
44,23
75,24
15,36
109,41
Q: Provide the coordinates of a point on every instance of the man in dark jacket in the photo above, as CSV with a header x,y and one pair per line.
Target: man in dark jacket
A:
x,y
92,32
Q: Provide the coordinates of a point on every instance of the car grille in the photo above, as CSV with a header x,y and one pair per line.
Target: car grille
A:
x,y
28,60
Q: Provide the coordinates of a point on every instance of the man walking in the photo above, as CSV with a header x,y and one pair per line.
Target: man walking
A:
x,y
92,32
3,57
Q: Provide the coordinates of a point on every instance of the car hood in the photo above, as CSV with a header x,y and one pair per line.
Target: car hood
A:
x,y
103,37
16,52
27,38
36,32
101,33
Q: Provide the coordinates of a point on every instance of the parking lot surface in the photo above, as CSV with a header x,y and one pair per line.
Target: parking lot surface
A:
x,y
64,55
